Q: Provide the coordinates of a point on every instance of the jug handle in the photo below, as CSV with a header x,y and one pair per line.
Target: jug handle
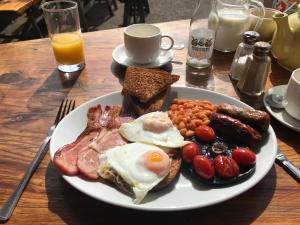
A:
x,y
261,15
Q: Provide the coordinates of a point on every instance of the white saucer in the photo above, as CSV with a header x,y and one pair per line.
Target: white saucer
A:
x,y
280,114
120,57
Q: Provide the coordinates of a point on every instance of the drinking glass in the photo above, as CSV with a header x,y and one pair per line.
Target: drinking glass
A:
x,y
63,25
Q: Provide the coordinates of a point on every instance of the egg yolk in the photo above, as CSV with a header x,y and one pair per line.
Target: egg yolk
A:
x,y
155,157
157,162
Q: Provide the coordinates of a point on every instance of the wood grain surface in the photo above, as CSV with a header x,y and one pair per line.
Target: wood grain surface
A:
x,y
30,92
18,6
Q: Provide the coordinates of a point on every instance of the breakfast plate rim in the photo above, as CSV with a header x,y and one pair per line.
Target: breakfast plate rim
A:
x,y
271,111
168,58
253,180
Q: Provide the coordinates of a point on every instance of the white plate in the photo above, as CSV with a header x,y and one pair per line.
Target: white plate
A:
x,y
186,193
120,57
280,114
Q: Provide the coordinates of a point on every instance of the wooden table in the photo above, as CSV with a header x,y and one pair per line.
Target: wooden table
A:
x,y
30,93
19,7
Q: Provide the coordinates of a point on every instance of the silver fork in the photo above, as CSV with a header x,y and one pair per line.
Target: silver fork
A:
x,y
287,165
66,106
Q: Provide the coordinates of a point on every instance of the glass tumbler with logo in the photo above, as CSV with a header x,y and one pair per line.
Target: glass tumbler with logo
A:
x,y
62,19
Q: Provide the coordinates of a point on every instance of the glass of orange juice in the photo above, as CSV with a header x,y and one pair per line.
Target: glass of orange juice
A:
x,y
63,25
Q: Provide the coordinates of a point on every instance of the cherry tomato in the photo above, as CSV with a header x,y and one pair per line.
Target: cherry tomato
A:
x,y
189,151
203,167
244,156
205,133
226,167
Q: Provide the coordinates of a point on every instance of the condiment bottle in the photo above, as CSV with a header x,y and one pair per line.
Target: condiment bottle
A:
x,y
253,80
202,35
244,49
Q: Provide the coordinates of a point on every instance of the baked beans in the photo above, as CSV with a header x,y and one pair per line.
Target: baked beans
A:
x,y
188,114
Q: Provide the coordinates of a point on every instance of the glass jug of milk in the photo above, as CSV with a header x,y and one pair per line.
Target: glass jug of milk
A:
x,y
233,21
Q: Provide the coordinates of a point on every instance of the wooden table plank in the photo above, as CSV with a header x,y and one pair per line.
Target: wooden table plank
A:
x,y
17,6
30,93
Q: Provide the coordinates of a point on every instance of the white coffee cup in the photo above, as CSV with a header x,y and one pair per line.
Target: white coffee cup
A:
x,y
292,96
143,43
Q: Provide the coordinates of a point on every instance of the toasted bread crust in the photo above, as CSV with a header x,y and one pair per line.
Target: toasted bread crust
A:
x,y
117,180
175,155
146,83
155,104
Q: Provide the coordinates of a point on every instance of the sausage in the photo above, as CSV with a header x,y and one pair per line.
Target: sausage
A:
x,y
228,127
257,119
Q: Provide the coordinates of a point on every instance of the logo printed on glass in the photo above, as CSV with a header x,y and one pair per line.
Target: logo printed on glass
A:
x,y
201,46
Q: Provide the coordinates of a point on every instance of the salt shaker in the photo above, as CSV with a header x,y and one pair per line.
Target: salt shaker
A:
x,y
244,49
253,79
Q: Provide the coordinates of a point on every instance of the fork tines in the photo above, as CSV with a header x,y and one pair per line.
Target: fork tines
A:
x,y
66,106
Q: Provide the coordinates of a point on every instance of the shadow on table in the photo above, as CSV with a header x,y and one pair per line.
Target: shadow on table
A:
x,y
200,78
45,100
74,207
278,75
53,90
285,134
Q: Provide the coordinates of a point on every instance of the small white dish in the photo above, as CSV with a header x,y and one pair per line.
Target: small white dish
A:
x,y
121,58
186,193
280,114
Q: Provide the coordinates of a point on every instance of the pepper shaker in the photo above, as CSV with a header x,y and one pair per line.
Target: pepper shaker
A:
x,y
244,49
253,79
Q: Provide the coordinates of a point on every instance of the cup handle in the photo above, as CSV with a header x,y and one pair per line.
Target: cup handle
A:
x,y
261,10
171,45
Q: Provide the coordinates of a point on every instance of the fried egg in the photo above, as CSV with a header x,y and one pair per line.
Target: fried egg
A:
x,y
153,128
142,166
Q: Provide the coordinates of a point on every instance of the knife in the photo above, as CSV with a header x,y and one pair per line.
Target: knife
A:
x,y
287,165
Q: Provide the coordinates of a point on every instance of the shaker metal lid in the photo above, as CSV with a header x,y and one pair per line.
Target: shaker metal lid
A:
x,y
262,48
250,37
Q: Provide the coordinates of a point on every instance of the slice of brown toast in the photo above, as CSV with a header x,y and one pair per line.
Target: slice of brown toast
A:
x,y
175,156
118,181
146,83
154,104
